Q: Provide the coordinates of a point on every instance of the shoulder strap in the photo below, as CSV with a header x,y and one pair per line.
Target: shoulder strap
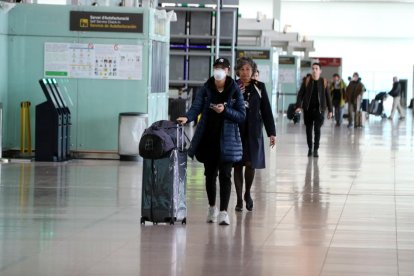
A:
x,y
307,80
258,91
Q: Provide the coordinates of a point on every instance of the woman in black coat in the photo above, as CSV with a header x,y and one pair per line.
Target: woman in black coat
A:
x,y
258,113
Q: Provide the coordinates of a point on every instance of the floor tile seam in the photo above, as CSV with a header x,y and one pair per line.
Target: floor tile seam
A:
x,y
261,247
15,262
396,214
56,244
276,226
103,258
91,224
337,226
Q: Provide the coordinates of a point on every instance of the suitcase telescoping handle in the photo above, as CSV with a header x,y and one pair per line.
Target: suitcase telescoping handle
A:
x,y
180,128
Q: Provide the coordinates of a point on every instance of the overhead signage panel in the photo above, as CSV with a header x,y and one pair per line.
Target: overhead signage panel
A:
x,y
286,60
254,54
106,22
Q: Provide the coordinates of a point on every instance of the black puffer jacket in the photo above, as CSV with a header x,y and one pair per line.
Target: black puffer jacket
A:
x,y
234,113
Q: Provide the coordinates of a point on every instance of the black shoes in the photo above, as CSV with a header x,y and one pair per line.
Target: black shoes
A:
x,y
249,202
239,206
314,153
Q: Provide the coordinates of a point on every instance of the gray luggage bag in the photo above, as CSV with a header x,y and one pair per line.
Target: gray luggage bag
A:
x,y
164,186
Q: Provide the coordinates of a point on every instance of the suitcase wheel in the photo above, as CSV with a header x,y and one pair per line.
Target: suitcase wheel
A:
x,y
184,221
172,222
142,220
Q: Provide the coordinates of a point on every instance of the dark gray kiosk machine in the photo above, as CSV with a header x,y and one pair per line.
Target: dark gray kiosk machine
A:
x,y
66,117
51,125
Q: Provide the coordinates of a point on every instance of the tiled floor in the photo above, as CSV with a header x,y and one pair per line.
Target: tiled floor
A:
x,y
350,212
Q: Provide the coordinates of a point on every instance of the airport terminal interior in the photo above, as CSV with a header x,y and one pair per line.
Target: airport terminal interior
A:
x,y
81,80
348,212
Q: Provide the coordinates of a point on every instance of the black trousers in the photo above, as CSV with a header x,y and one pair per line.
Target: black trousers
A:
x,y
313,122
212,168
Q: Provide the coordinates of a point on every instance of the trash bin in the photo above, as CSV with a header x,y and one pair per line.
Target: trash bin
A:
x,y
131,127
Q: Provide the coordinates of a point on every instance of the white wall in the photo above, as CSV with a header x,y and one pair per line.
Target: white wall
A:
x,y
375,39
249,8
376,60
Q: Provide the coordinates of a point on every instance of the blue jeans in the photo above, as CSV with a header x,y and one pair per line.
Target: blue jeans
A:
x,y
339,114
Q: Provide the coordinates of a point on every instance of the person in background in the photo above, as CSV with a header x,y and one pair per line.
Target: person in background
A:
x,y
256,75
314,98
337,89
396,102
258,113
353,95
216,141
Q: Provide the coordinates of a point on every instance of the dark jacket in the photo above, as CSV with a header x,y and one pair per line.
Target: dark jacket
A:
x,y
396,90
305,93
234,113
354,90
258,114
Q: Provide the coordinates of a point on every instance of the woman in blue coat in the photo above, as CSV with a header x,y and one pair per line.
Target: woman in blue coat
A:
x,y
258,113
216,141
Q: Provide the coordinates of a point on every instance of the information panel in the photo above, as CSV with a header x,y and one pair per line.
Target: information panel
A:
x,y
93,61
106,22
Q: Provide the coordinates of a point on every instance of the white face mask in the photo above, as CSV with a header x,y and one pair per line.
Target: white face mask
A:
x,y
219,74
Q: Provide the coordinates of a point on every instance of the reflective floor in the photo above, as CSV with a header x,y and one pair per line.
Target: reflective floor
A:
x,y
349,212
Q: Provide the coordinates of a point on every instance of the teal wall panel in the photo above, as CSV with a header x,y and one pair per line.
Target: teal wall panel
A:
x,y
291,87
94,103
98,110
3,67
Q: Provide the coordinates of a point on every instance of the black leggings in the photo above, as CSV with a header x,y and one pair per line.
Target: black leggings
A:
x,y
313,121
249,173
223,169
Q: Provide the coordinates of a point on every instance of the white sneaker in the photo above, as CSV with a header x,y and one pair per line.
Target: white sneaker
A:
x,y
224,218
212,215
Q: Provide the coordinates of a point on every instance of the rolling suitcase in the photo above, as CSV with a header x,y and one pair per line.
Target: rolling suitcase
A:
x,y
365,105
164,186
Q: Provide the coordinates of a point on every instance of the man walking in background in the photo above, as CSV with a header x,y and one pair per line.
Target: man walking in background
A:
x,y
353,96
396,103
314,98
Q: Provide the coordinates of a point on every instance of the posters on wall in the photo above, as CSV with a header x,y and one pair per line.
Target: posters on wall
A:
x,y
286,75
93,61
264,72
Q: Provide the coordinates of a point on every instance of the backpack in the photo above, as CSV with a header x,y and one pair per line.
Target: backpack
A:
x,y
159,140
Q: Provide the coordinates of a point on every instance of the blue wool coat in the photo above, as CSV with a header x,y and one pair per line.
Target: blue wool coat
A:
x,y
259,114
234,113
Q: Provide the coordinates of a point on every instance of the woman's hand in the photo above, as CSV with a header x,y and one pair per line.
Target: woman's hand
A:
x,y
241,86
272,141
218,108
182,120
